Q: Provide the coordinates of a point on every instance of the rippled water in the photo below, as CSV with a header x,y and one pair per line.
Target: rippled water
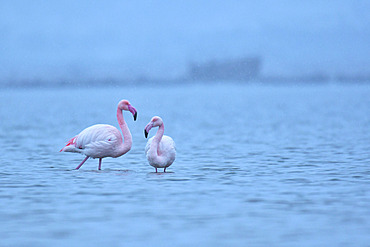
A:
x,y
256,166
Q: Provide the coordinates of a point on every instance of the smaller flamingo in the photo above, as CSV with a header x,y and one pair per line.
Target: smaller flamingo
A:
x,y
103,140
160,149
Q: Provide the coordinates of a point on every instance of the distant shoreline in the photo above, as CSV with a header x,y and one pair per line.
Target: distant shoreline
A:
x,y
268,80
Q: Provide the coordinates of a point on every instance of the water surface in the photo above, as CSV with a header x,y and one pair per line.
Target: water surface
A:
x,y
256,166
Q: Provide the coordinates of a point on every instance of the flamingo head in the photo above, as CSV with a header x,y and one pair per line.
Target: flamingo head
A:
x,y
126,106
155,122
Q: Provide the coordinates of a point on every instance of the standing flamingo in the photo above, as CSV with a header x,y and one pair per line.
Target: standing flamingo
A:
x,y
160,149
103,140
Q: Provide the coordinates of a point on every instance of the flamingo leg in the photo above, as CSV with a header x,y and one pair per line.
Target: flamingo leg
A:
x,y
100,163
164,169
156,170
78,167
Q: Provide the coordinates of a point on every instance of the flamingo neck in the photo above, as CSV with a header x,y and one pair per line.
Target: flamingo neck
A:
x,y
127,138
157,139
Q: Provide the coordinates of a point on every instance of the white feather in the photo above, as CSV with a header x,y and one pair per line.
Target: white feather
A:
x,y
166,151
97,141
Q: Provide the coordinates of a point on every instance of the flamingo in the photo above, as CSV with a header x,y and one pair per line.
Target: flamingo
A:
x,y
160,149
103,140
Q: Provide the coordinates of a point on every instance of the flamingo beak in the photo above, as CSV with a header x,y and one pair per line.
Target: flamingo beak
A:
x,y
147,129
133,111
145,133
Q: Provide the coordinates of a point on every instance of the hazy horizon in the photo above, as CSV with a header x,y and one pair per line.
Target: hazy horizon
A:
x,y
112,39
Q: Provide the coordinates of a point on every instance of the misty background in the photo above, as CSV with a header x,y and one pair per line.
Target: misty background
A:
x,y
268,103
51,42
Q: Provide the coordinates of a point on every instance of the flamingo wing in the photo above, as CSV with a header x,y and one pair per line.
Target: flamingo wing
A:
x,y
167,145
97,141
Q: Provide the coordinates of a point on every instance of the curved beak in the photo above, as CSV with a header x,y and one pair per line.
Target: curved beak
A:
x,y
133,111
147,129
145,133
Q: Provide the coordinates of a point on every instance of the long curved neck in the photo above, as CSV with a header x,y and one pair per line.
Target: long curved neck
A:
x,y
127,138
157,139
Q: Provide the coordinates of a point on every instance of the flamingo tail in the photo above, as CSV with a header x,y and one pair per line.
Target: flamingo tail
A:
x,y
70,142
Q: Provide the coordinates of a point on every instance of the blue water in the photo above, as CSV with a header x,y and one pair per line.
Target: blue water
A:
x,y
256,166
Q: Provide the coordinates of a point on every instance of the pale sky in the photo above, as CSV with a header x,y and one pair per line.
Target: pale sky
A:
x,y
58,40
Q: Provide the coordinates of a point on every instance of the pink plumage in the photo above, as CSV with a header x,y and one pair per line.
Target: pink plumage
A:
x,y
160,150
103,140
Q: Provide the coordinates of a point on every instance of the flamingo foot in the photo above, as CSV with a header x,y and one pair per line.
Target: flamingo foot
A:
x,y
78,167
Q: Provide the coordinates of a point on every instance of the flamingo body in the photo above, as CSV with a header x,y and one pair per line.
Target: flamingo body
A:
x,y
97,141
160,150
103,140
166,152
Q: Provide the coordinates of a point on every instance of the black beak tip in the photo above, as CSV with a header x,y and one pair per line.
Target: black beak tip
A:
x,y
135,116
146,134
